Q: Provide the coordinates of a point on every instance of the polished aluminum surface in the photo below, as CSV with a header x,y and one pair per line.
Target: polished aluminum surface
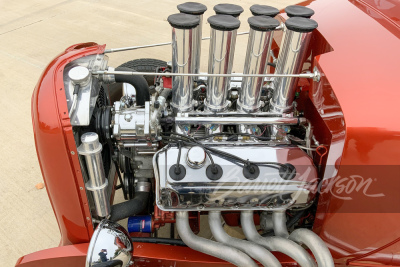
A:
x,y
197,47
233,191
111,244
230,114
79,75
97,183
290,60
314,75
239,120
196,157
81,105
132,124
257,56
210,247
183,52
220,61
255,251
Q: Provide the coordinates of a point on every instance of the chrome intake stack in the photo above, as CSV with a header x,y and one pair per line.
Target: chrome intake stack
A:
x,y
290,61
197,9
228,9
299,11
257,56
263,10
220,60
184,43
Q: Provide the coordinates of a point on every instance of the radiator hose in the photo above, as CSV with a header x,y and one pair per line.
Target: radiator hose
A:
x,y
139,82
129,208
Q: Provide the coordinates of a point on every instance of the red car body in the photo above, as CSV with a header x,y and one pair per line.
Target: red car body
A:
x,y
356,48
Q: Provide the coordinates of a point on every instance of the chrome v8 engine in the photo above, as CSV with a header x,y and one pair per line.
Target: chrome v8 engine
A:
x,y
212,141
235,153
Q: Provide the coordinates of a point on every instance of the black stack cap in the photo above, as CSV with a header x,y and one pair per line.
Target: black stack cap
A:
x,y
299,11
263,10
192,8
298,24
263,23
183,21
224,22
228,9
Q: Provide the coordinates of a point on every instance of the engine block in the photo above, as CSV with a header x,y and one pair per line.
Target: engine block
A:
x,y
269,188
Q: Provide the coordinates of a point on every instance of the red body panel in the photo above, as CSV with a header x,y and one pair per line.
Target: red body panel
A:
x,y
367,93
64,256
352,110
56,148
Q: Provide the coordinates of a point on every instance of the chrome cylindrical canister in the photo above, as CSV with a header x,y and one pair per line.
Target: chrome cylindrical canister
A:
x,y
183,52
97,183
290,61
220,60
257,56
196,9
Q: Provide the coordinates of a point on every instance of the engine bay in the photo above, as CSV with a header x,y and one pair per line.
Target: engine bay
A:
x,y
179,142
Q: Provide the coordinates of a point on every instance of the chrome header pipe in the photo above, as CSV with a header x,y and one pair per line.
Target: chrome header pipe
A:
x,y
279,223
263,10
315,244
196,9
220,60
274,243
209,247
290,60
257,56
183,51
228,9
97,183
255,251
305,237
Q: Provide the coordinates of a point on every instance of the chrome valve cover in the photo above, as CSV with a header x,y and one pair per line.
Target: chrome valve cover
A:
x,y
268,191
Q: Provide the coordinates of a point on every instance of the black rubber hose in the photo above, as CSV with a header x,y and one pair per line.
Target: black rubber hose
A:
x,y
166,92
129,208
111,263
139,82
156,240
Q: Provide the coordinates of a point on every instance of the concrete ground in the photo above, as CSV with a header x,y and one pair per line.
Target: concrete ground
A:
x,y
32,33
